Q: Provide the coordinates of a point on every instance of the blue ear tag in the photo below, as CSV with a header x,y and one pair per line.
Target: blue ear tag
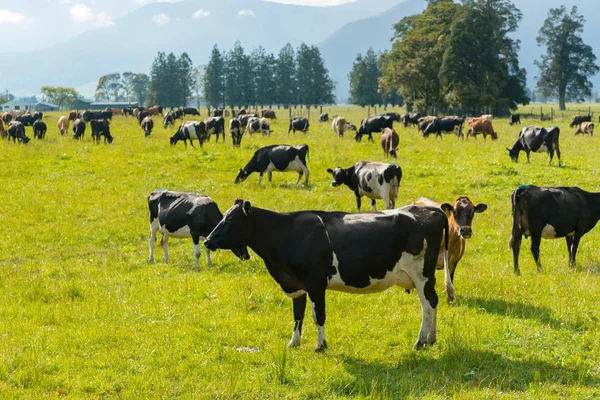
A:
x,y
524,187
392,164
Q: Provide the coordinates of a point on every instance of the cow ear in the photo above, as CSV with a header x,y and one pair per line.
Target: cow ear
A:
x,y
479,208
508,149
329,171
238,202
247,208
447,208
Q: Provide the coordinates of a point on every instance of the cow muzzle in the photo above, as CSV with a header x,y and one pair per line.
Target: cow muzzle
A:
x,y
466,232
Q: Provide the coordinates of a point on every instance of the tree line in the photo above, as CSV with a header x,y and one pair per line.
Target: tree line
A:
x,y
460,57
239,79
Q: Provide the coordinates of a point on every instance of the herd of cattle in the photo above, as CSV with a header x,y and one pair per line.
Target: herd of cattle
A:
x,y
309,252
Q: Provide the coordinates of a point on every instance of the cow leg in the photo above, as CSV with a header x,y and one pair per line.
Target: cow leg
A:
x,y
299,309
536,239
550,155
528,161
373,205
197,250
260,176
386,199
357,201
165,246
569,240
515,244
152,240
299,177
558,154
317,302
208,260
574,247
371,137
306,173
270,176
429,300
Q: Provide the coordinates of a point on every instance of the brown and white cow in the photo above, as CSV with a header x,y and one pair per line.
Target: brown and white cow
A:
x,y
63,125
6,118
72,115
460,217
154,110
389,142
481,125
585,128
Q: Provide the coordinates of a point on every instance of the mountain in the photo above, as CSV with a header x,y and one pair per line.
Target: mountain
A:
x,y
194,26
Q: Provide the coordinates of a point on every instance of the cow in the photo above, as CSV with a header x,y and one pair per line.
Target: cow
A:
x,y
155,110
258,125
552,213
128,110
585,128
215,126
219,112
389,142
236,132
6,118
424,122
26,119
410,118
324,117
141,115
63,125
309,252
514,119
372,124
460,219
276,158
298,124
16,131
39,129
17,113
375,180
115,111
339,126
239,112
190,111
480,125
78,129
38,115
101,127
578,119
135,112
87,115
182,215
190,130
3,132
244,120
445,125
489,117
393,115
270,114
147,126
169,119
538,140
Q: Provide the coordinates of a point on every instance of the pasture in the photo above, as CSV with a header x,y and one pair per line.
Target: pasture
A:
x,y
83,314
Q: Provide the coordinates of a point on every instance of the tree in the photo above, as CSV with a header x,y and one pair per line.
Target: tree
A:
x,y
198,76
285,76
139,87
62,97
185,79
239,82
263,66
171,80
214,79
109,86
364,80
314,85
568,64
6,97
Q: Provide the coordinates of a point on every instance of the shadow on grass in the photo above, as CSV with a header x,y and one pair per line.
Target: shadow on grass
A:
x,y
299,186
459,369
517,310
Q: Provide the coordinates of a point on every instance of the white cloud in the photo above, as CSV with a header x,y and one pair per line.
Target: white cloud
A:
x,y
246,13
9,17
161,19
82,13
201,13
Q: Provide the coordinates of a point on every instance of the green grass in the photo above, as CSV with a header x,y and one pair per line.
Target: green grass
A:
x,y
82,313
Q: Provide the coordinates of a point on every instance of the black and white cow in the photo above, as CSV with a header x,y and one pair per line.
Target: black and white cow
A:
x,y
181,215
445,125
298,124
375,180
169,119
258,125
101,127
16,131
538,140
215,126
324,117
39,129
514,119
190,130
27,119
309,252
190,111
372,124
236,132
552,213
578,119
276,158
87,115
78,128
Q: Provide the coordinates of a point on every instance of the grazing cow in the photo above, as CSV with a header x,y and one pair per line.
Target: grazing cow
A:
x,y
389,142
552,213
101,127
190,111
169,119
339,126
39,129
244,120
538,140
87,116
115,111
372,179
445,125
480,125
182,215
78,129
190,130
236,132
219,112
239,112
372,124
424,122
6,118
270,114
141,115
63,125
16,131
298,124
147,126
215,126
72,115
460,217
585,128
26,119
128,110
135,112
411,118
324,117
395,116
155,110
578,119
309,252
514,119
276,158
3,132
258,125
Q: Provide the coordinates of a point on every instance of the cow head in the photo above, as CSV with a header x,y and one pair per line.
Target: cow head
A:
x,y
241,176
229,233
514,154
340,176
168,120
463,212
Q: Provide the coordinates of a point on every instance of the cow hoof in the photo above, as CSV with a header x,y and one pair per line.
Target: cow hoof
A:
x,y
151,260
451,300
321,348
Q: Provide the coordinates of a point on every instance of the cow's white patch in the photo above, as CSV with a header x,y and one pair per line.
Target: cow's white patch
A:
x,y
321,335
543,149
295,341
549,232
295,294
464,203
181,233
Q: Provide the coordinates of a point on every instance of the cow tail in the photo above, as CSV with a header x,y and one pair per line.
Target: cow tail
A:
x,y
447,278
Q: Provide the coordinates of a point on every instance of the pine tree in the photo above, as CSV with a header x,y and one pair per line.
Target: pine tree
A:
x,y
214,79
285,76
263,72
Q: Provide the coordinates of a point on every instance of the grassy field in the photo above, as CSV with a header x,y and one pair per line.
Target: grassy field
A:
x,y
83,314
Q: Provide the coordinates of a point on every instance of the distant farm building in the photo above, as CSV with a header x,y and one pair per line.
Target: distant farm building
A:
x,y
27,105
101,105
